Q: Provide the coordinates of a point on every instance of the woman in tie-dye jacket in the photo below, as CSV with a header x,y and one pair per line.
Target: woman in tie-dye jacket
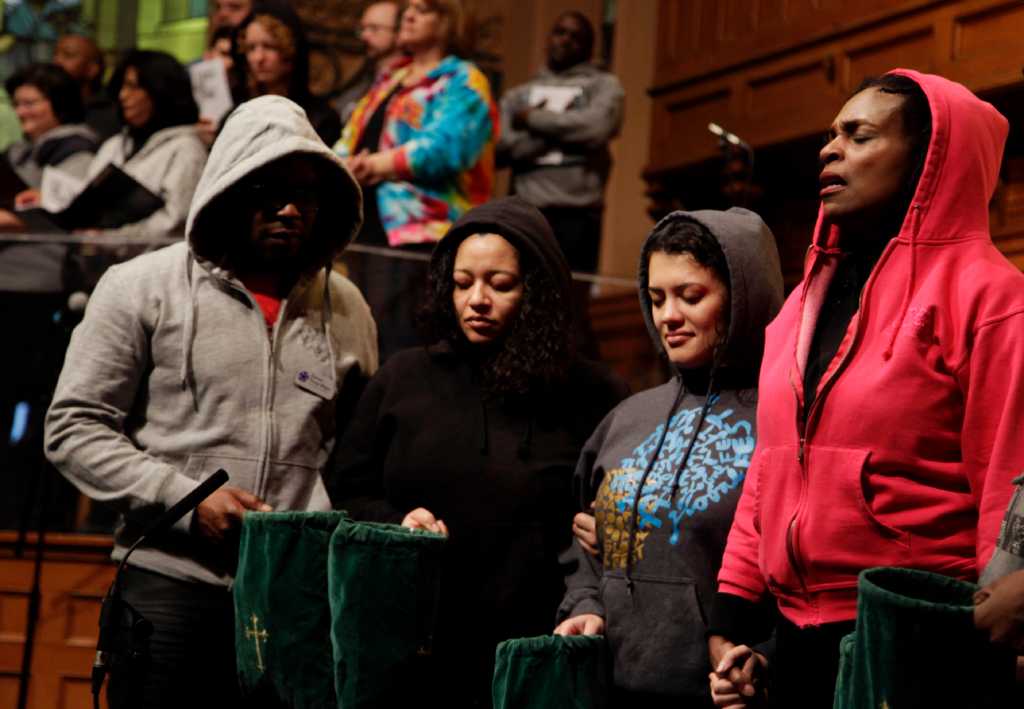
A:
x,y
425,132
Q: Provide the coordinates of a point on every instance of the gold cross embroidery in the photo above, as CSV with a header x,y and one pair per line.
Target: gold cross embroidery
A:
x,y
257,636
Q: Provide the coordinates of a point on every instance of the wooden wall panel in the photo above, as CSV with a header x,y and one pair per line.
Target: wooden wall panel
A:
x,y
13,606
75,575
913,49
744,31
681,125
8,689
779,87
794,94
986,32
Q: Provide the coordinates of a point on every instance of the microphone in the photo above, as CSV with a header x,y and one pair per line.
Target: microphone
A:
x,y
182,507
728,137
123,630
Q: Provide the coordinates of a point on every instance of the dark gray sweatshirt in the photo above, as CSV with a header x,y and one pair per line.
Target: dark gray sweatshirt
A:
x,y
655,606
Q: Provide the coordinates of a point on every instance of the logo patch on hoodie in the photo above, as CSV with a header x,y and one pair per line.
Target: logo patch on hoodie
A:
x,y
920,323
716,467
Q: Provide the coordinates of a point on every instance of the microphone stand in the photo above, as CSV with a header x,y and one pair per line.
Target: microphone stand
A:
x,y
38,498
124,633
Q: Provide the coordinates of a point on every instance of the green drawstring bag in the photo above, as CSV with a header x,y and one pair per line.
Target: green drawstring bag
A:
x,y
282,614
552,672
385,585
915,646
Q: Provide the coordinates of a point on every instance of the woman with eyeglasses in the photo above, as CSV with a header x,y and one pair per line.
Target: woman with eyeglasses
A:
x,y
422,145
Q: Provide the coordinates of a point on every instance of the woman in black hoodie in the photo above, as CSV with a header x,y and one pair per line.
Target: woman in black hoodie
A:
x,y
477,436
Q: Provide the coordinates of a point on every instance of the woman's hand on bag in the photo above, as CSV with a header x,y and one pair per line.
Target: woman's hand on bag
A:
x,y
584,528
999,610
585,624
736,679
422,518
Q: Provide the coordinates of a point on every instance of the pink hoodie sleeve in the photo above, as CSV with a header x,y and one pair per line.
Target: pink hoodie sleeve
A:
x,y
740,574
992,379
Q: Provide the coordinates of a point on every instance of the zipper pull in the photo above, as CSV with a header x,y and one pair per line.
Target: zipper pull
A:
x,y
800,451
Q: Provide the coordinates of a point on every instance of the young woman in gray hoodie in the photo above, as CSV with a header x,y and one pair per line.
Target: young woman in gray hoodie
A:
x,y
666,466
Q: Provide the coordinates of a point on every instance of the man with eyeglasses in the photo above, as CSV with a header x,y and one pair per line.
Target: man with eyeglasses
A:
x,y
238,348
555,131
378,30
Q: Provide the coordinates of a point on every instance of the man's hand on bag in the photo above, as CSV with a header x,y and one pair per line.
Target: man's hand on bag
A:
x,y
999,610
422,518
220,514
585,624
584,528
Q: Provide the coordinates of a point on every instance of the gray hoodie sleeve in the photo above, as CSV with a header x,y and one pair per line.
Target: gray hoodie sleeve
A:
x,y
593,125
517,145
85,436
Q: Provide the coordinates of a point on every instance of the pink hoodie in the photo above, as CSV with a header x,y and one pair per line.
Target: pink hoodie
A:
x,y
918,424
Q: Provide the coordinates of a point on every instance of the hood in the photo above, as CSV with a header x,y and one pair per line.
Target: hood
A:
x,y
755,287
960,170
256,133
522,225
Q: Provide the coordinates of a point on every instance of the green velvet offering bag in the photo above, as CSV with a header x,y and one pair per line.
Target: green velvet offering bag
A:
x,y
552,672
385,585
282,613
915,646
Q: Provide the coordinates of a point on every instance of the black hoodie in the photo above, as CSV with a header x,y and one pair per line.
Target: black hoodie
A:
x,y
497,471
655,603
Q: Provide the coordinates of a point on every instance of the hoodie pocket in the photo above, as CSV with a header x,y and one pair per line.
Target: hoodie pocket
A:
x,y
780,488
838,533
656,634
241,470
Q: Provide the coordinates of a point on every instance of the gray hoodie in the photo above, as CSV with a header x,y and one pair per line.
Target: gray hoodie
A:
x,y
172,375
575,174
656,577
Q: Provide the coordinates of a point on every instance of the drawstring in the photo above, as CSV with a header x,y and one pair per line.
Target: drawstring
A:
x,y
909,291
631,544
326,315
189,327
693,440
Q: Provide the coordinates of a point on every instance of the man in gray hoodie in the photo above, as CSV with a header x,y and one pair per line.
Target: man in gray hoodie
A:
x,y
555,131
235,349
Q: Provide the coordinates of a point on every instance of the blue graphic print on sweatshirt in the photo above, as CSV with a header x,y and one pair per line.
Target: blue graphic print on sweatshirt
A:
x,y
717,465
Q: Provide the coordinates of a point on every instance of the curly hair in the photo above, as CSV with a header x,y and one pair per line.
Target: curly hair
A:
x,y
536,352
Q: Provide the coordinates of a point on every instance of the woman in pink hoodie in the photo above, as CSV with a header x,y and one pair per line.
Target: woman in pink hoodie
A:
x,y
892,387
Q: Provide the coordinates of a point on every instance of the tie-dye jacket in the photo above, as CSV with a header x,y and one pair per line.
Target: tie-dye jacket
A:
x,y
445,128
